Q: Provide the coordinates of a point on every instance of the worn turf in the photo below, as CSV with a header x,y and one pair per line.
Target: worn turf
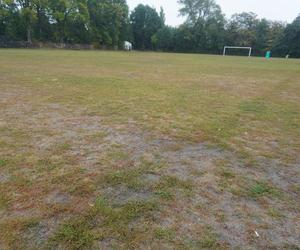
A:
x,y
102,150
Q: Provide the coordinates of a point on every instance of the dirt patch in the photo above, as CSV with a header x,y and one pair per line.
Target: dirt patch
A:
x,y
150,179
37,236
58,198
121,195
4,178
192,159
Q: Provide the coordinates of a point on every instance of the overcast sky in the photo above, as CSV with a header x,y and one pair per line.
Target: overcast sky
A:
x,y
282,10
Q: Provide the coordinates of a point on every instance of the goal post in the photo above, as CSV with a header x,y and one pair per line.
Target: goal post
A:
x,y
236,47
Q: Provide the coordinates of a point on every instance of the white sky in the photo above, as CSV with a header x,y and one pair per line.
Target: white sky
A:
x,y
281,10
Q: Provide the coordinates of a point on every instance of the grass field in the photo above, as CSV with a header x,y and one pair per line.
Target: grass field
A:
x,y
103,150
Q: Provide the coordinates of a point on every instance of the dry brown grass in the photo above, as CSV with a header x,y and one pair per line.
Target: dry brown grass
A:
x,y
148,150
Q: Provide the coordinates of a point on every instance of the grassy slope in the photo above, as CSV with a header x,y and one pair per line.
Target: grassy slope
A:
x,y
249,106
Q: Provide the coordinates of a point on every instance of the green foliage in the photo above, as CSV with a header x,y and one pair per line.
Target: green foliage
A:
x,y
164,39
108,23
291,38
205,26
145,23
72,21
199,10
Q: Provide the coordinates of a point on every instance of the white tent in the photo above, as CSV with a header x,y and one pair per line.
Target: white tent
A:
x,y
127,45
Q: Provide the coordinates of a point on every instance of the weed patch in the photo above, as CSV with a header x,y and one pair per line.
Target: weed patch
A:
x,y
261,189
74,234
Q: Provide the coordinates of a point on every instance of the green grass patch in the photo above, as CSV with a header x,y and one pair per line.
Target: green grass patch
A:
x,y
254,107
207,239
102,221
164,194
130,178
164,234
168,185
125,213
4,200
74,234
3,162
263,189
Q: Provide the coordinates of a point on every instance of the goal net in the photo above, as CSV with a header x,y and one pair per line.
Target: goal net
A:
x,y
226,48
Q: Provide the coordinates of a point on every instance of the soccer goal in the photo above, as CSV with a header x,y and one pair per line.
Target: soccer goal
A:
x,y
235,47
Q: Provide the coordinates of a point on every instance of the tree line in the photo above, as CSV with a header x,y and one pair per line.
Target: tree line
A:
x,y
108,23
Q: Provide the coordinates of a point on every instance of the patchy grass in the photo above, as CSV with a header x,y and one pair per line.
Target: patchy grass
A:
x,y
170,184
131,176
128,177
100,222
3,162
164,234
207,240
194,144
114,217
12,231
4,200
261,189
74,234
274,213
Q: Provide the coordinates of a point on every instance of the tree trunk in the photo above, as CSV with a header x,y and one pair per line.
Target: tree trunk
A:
x,y
39,14
29,35
62,37
62,31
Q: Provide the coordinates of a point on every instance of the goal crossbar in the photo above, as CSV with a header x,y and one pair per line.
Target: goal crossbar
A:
x,y
237,47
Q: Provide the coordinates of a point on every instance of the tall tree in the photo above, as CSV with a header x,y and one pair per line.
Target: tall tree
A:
x,y
206,23
109,21
196,10
241,29
78,23
262,30
162,16
163,39
11,26
291,40
28,15
275,37
3,18
145,23
42,26
66,13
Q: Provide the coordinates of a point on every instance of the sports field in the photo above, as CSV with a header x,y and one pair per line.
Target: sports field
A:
x,y
115,150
